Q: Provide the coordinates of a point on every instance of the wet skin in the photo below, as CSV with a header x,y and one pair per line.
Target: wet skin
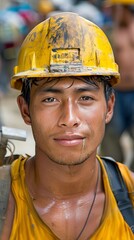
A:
x,y
68,120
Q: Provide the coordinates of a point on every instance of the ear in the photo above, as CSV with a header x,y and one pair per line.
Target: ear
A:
x,y
24,109
110,108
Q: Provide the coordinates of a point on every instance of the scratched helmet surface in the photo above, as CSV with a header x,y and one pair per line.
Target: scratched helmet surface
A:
x,y
65,45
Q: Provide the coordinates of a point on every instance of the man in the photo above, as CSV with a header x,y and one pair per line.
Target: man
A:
x,y
65,71
122,39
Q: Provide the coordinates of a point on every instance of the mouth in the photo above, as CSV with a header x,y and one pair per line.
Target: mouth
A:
x,y
69,140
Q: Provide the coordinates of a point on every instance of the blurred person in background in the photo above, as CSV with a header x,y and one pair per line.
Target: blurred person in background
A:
x,y
122,39
26,11
45,7
1,94
89,10
85,8
16,20
11,35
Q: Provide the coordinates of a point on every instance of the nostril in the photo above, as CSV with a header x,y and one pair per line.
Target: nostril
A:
x,y
76,124
63,124
69,124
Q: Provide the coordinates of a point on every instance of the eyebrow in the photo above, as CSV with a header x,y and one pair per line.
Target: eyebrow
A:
x,y
87,89
76,90
52,90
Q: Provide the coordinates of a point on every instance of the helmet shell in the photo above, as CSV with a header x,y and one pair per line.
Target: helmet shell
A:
x,y
65,45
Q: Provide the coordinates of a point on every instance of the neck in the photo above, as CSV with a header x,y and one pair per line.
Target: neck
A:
x,y
60,181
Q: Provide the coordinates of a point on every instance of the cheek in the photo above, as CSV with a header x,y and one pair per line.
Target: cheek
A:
x,y
95,120
42,122
96,114
100,117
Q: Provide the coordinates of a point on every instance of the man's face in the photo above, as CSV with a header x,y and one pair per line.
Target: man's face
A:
x,y
68,119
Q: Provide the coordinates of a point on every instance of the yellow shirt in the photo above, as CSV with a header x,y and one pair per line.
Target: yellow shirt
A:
x,y
27,224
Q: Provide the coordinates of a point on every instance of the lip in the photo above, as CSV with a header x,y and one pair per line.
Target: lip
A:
x,y
69,140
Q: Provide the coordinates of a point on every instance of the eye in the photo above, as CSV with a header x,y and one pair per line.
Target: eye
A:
x,y
49,100
86,98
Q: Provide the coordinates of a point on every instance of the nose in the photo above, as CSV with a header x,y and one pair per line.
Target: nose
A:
x,y
69,115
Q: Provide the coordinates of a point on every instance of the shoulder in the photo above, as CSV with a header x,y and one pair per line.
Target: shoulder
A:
x,y
17,166
126,171
9,218
132,175
128,177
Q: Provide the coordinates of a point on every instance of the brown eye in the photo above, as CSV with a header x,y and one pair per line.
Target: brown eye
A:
x,y
86,98
49,100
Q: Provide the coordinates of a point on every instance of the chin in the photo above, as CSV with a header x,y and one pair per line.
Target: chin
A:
x,y
71,160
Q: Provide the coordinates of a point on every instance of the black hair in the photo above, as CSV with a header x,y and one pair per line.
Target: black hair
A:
x,y
108,89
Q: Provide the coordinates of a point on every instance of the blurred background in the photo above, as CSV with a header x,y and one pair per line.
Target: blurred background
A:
x,y
18,17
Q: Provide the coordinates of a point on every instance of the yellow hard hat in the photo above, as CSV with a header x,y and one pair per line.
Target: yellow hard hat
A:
x,y
65,45
125,2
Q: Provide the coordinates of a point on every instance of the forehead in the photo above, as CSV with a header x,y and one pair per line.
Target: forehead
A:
x,y
67,82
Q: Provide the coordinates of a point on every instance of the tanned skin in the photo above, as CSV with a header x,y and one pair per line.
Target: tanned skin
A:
x,y
68,120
